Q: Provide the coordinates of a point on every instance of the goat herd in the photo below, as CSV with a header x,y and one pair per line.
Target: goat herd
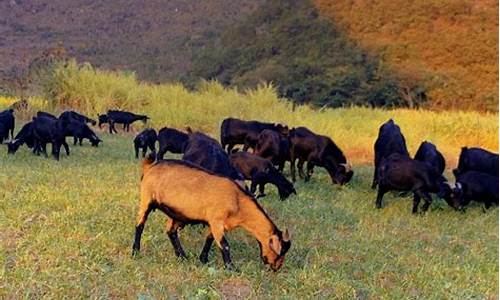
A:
x,y
207,185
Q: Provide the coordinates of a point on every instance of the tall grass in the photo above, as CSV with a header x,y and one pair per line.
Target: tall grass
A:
x,y
93,91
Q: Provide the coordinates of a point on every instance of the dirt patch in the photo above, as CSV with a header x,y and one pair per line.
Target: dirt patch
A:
x,y
235,289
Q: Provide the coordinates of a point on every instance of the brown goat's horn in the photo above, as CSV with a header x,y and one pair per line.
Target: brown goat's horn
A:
x,y
189,130
286,236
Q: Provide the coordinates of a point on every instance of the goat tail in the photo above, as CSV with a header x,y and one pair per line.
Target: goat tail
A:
x,y
148,162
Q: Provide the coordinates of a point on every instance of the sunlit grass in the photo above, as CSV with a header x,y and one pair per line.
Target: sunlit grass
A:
x,y
93,91
67,230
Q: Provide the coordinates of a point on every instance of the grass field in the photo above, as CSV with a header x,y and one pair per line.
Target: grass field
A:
x,y
67,230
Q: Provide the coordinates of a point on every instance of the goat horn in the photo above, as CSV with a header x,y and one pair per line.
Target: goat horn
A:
x,y
286,236
347,167
458,185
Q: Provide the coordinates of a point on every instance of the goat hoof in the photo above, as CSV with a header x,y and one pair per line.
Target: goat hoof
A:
x,y
231,268
135,253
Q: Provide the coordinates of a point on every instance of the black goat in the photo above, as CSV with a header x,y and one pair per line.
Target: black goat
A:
x,y
390,140
147,138
476,186
400,173
47,130
427,152
477,159
206,152
70,115
261,171
121,117
8,122
171,140
25,136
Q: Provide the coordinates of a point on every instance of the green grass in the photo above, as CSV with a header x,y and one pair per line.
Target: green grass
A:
x,y
67,230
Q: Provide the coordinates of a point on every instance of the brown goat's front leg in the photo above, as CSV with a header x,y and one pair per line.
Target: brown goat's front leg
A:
x,y
174,238
206,248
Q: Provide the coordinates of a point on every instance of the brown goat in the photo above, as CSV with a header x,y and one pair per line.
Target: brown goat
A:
x,y
189,194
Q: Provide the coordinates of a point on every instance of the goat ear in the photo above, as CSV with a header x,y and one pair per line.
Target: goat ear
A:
x,y
275,244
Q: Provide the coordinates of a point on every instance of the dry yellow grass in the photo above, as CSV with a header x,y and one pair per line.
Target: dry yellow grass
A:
x,y
354,129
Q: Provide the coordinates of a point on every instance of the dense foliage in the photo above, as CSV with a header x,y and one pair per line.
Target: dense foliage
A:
x,y
309,59
451,45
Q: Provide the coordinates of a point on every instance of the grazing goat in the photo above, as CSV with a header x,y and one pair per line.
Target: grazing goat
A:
x,y
400,173
477,159
390,140
80,131
427,152
476,186
3,133
235,131
121,117
74,116
171,140
147,138
102,119
318,150
8,122
189,194
275,147
206,152
47,130
261,171
47,115
25,136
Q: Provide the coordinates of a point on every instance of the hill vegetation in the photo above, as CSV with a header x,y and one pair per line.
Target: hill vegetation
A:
x,y
155,40
450,45
306,56
432,54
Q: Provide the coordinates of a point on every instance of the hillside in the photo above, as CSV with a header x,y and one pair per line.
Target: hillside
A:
x,y
307,57
155,40
451,45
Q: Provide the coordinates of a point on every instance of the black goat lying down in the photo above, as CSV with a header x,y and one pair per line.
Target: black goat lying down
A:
x,y
476,186
171,140
126,118
400,173
261,171
144,140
